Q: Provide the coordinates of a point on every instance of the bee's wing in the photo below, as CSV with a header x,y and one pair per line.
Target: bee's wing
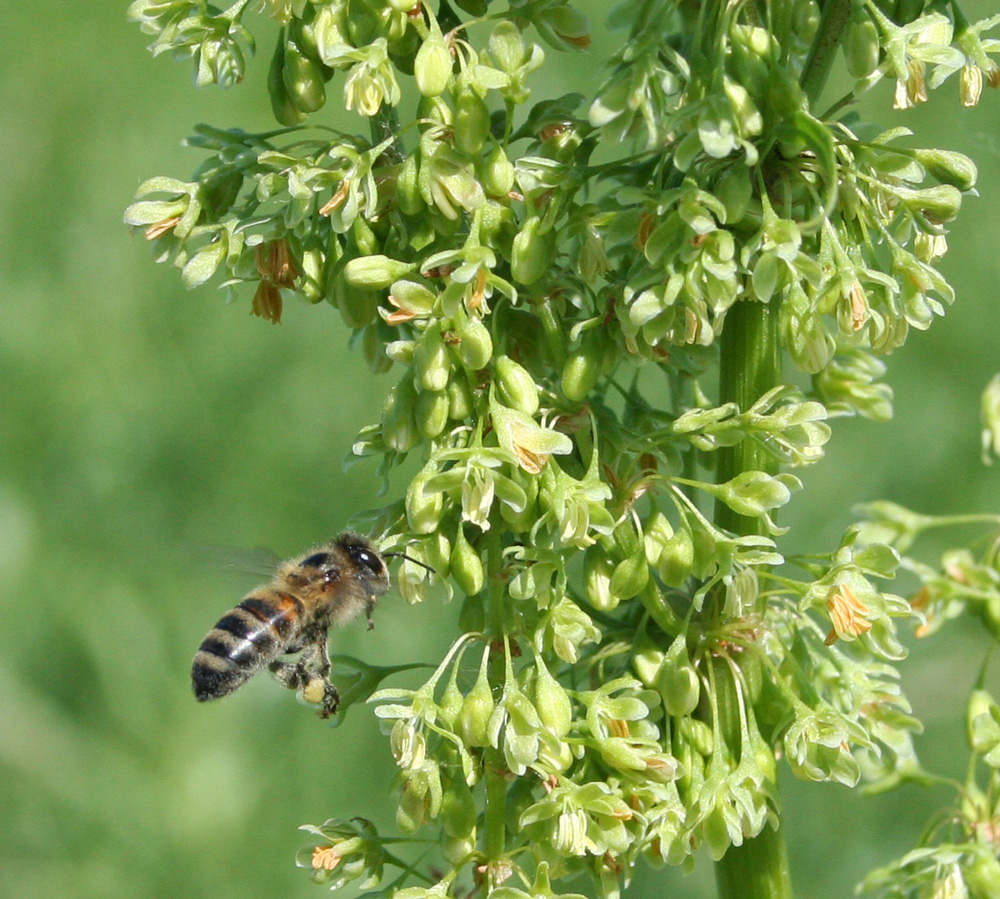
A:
x,y
245,566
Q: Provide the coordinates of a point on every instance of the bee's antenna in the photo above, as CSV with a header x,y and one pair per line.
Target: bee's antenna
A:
x,y
409,559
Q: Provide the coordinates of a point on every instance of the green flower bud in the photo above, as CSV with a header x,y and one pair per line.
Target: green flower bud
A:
x,y
373,350
458,809
412,811
630,576
532,252
400,351
432,67
311,265
860,44
982,722
457,850
423,509
430,361
552,702
466,565
408,196
647,660
399,428
752,49
357,306
982,875
735,191
584,365
949,167
677,558
432,413
285,111
515,385
679,685
477,709
475,347
597,571
375,272
303,79
698,733
754,493
450,704
472,122
940,203
497,173
460,400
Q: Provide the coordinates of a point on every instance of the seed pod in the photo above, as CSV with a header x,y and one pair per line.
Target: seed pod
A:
x,y
375,272
584,365
423,510
472,122
303,79
430,361
981,704
466,565
285,111
373,350
432,66
357,306
678,684
460,400
860,44
477,709
734,191
458,809
432,413
408,197
475,347
949,167
532,252
497,176
311,280
597,571
940,203
515,385
677,558
399,428
647,660
552,702
630,576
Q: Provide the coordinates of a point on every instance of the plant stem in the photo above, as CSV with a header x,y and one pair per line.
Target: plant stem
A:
x,y
750,366
824,48
495,815
756,870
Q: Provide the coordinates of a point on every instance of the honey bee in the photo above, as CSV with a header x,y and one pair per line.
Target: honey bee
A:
x,y
329,585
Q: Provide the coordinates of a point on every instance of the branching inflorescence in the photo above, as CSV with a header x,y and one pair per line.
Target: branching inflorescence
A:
x,y
552,281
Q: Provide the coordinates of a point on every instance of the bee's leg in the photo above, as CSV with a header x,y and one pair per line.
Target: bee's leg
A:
x,y
292,674
331,697
369,608
308,675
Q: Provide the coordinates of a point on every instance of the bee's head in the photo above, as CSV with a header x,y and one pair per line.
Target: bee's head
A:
x,y
368,565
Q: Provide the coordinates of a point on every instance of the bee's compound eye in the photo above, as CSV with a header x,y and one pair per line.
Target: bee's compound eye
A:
x,y
370,560
316,560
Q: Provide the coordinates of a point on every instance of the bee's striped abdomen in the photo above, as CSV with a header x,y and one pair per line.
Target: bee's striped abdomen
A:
x,y
245,640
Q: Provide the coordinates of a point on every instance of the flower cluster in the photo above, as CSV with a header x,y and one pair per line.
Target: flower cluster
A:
x,y
550,284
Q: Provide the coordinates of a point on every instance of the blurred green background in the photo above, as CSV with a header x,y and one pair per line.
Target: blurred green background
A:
x,y
140,423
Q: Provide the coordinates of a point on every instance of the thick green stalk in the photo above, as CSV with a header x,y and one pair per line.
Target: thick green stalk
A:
x,y
495,816
824,49
750,366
